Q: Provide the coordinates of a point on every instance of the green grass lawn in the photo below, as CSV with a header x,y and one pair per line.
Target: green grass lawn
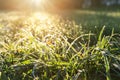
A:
x,y
96,19
77,45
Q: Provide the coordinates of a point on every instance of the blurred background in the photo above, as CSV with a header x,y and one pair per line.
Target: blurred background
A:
x,y
55,4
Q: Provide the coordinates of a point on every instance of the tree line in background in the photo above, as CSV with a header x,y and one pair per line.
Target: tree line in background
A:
x,y
94,3
61,4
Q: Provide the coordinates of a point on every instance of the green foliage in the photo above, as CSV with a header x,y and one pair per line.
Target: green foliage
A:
x,y
34,47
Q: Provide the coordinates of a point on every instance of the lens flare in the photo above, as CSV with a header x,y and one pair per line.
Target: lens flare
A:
x,y
37,2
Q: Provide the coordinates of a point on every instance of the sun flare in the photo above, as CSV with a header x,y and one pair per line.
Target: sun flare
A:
x,y
37,3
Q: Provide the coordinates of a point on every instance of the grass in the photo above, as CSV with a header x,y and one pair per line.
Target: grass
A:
x,y
96,19
76,46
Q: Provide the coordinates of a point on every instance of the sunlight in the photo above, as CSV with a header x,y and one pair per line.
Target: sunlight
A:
x,y
37,2
41,5
41,16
